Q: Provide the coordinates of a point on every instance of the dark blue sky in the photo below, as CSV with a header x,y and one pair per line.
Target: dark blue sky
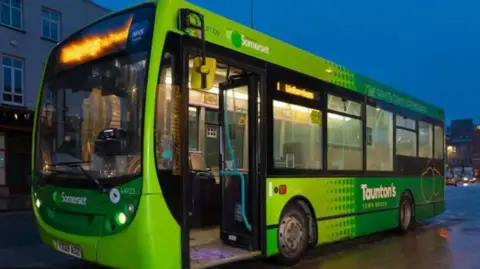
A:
x,y
429,49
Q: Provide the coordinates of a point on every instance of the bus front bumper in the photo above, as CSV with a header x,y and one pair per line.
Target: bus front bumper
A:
x,y
82,247
140,245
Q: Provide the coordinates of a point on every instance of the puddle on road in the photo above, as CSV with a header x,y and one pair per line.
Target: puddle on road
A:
x,y
470,230
448,222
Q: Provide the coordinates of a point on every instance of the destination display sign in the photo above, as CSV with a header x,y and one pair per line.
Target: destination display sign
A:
x,y
294,90
129,31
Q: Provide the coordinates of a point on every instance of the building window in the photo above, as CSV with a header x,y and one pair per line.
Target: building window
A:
x,y
379,139
50,24
297,137
344,135
406,137
11,13
3,180
425,140
12,80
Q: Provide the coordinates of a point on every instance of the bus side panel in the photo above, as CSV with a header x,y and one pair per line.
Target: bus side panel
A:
x,y
424,211
333,230
429,198
350,199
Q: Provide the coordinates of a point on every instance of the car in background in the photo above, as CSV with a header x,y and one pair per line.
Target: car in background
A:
x,y
468,179
452,180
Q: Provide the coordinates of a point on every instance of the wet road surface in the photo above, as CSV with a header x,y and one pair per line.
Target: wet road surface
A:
x,y
451,240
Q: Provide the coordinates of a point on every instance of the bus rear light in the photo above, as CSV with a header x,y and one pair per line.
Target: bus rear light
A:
x,y
282,189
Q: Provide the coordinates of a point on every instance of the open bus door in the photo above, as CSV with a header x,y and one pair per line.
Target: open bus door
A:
x,y
237,235
239,172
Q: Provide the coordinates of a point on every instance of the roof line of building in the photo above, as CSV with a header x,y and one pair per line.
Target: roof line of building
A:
x,y
97,5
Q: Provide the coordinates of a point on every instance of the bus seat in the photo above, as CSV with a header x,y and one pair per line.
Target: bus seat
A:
x,y
206,199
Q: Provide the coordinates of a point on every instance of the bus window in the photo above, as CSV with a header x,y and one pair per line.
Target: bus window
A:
x,y
193,128
237,115
406,143
164,137
406,123
297,139
211,138
425,140
344,135
379,139
350,107
438,148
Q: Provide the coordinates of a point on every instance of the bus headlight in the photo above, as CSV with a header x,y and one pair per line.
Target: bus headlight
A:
x,y
121,218
131,208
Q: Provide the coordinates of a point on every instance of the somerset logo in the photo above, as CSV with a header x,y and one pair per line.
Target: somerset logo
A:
x,y
68,199
240,40
378,192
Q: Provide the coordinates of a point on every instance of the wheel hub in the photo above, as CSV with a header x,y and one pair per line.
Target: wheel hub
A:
x,y
291,234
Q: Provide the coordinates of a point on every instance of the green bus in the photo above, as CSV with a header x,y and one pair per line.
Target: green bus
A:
x,y
167,136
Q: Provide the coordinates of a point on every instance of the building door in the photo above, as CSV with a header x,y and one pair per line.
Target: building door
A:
x,y
19,166
18,163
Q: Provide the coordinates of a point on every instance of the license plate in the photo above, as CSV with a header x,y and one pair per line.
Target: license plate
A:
x,y
69,249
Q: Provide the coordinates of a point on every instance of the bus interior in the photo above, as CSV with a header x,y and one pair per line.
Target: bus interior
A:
x,y
208,247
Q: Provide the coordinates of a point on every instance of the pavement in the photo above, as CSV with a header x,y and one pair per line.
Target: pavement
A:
x,y
15,203
449,241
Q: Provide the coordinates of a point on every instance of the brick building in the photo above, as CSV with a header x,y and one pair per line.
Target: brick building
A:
x,y
476,150
463,143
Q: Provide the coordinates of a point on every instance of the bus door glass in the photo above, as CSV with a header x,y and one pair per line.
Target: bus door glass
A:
x,y
238,157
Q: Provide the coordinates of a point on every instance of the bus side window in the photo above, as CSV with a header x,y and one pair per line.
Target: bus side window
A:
x,y
164,137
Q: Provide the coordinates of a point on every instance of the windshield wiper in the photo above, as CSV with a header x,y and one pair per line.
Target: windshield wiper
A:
x,y
101,188
68,163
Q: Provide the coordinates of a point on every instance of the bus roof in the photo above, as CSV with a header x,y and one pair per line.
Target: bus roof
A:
x,y
227,33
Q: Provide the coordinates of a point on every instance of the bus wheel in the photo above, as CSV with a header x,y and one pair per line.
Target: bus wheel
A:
x,y
292,235
406,216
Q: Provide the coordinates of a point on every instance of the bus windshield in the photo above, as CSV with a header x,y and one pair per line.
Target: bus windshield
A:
x,y
91,108
91,116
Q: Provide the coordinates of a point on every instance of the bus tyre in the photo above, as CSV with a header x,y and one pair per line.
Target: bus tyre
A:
x,y
406,216
292,235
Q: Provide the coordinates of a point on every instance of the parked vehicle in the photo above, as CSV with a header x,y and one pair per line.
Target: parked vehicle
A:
x,y
451,181
468,179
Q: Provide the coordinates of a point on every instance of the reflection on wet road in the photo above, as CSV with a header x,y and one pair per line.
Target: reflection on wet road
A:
x,y
451,240
448,241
